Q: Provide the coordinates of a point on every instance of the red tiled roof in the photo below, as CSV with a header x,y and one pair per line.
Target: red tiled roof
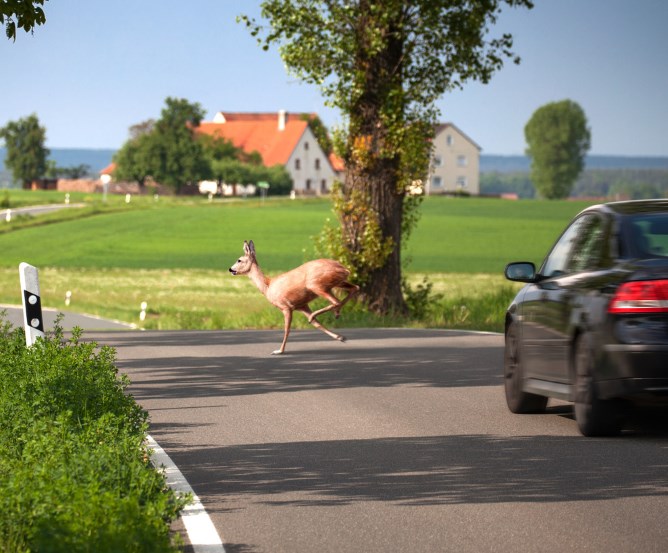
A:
x,y
259,132
337,163
109,169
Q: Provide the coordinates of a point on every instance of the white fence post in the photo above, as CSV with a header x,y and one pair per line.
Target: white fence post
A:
x,y
32,305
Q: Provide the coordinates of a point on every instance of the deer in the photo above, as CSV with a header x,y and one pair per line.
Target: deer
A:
x,y
294,290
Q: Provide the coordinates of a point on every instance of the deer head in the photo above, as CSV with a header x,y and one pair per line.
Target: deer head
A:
x,y
244,263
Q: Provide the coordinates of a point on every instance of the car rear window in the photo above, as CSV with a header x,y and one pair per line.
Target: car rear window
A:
x,y
647,235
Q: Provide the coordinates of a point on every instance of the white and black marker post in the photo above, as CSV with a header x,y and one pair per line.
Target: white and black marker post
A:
x,y
32,305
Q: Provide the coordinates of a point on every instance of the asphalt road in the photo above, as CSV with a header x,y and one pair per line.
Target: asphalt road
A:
x,y
398,440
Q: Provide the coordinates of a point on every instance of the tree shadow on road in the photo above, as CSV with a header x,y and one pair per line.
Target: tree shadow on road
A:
x,y
426,358
428,471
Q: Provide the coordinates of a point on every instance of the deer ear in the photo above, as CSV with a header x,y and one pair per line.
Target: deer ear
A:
x,y
246,249
251,248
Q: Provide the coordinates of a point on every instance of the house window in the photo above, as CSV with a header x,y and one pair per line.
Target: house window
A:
x,y
436,182
438,161
462,182
308,184
450,140
298,164
317,164
323,186
462,161
305,145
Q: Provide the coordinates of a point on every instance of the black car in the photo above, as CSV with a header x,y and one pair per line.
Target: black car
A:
x,y
591,325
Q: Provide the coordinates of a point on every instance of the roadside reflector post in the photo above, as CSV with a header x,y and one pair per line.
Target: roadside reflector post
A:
x,y
142,313
32,304
8,215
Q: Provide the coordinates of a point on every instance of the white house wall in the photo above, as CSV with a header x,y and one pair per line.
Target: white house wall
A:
x,y
309,167
455,163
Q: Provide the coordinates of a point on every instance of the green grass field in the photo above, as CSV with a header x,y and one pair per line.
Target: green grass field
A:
x,y
174,254
461,235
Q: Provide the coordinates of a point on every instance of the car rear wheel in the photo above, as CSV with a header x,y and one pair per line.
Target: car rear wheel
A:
x,y
595,416
517,399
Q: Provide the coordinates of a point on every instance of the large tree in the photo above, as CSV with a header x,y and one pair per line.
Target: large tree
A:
x,y
383,64
174,155
558,139
134,159
26,155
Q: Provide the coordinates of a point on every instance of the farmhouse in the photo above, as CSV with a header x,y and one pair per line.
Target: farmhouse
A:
x,y
455,162
286,139
280,138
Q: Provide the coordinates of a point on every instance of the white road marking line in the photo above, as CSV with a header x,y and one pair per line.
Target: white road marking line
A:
x,y
201,532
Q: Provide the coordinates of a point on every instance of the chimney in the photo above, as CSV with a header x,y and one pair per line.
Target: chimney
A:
x,y
282,118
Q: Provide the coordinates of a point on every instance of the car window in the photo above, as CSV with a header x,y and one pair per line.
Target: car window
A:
x,y
587,247
648,235
579,248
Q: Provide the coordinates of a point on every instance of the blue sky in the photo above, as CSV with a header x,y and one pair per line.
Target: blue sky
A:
x,y
97,67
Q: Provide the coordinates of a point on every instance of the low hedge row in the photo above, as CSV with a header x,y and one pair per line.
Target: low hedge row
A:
x,y
75,473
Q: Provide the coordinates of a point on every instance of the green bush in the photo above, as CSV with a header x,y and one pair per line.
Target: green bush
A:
x,y
75,473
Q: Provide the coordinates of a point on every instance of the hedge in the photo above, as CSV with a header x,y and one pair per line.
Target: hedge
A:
x,y
75,471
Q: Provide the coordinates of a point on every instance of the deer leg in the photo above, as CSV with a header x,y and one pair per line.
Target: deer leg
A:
x,y
287,315
352,291
335,304
321,328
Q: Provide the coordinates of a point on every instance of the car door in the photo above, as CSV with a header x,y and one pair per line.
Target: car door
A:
x,y
550,304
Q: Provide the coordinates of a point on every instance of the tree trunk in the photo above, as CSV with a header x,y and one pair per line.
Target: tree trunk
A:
x,y
383,288
373,161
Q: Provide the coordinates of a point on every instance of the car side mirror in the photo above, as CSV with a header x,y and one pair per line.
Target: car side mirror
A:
x,y
521,271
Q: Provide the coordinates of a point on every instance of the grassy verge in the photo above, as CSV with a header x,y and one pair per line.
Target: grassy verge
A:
x,y
205,299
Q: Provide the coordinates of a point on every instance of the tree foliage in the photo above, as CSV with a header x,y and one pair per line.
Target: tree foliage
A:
x,y
320,131
558,139
25,14
53,171
233,171
383,63
178,157
133,160
166,150
26,155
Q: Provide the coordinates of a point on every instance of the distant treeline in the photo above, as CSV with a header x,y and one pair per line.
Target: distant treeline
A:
x,y
634,184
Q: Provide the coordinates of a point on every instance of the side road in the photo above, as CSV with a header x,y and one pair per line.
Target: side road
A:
x,y
36,210
69,321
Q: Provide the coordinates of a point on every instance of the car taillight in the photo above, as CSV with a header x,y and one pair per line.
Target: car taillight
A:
x,y
642,296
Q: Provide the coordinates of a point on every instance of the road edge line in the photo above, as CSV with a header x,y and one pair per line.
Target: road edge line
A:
x,y
202,533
